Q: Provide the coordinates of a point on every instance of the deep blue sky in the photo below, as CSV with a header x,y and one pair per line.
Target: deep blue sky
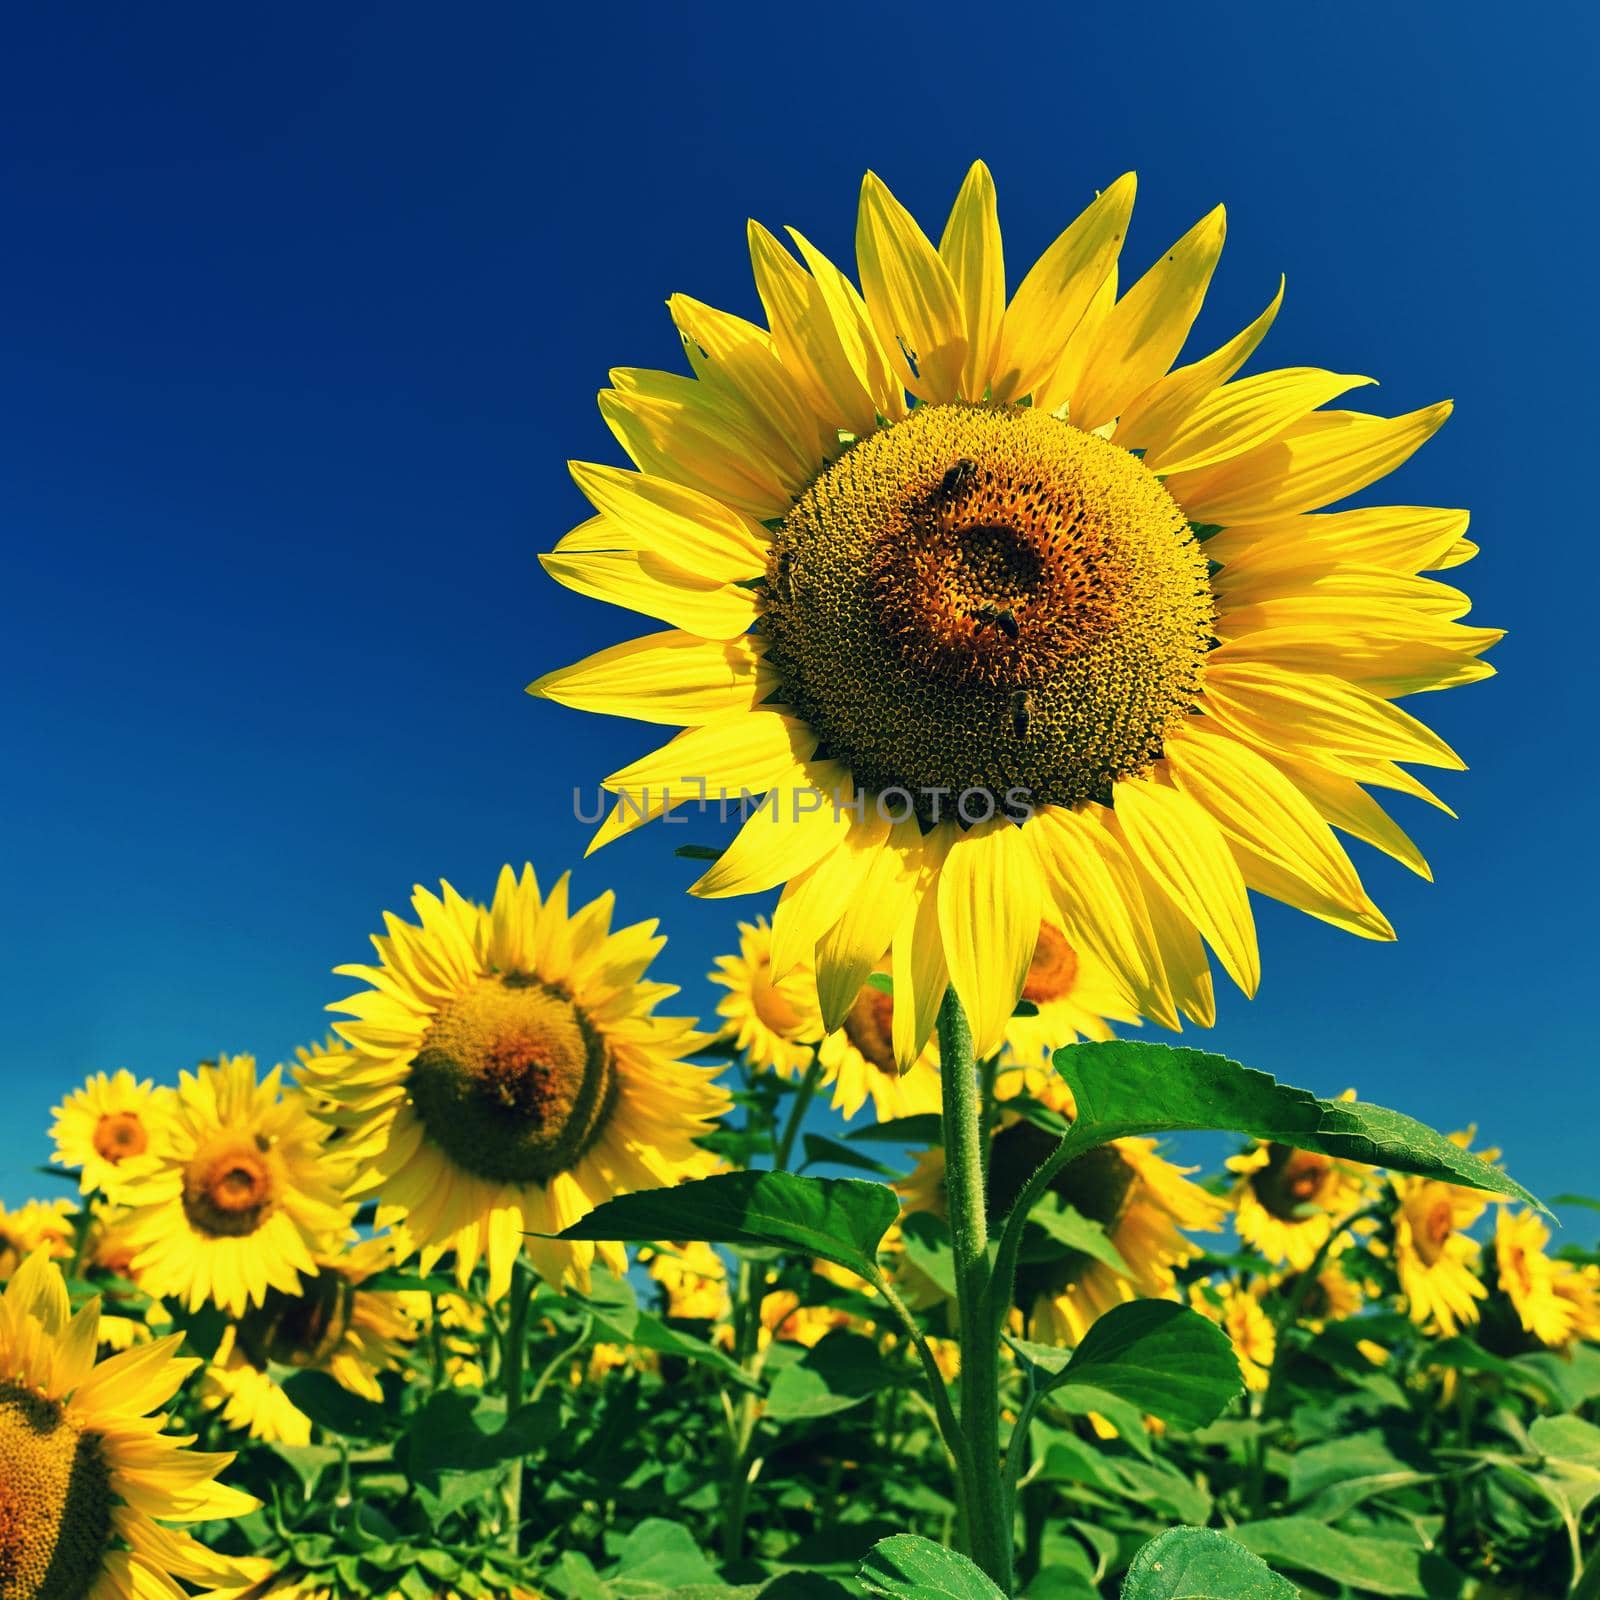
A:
x,y
304,311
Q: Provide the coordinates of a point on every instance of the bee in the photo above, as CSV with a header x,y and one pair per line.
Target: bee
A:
x,y
1021,711
783,576
958,480
1001,617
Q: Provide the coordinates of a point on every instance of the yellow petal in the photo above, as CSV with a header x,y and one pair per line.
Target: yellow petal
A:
x,y
1314,462
918,965
852,948
991,901
807,340
651,586
1395,538
1183,850
1185,971
1347,806
1147,421
743,756
813,902
971,248
782,839
674,678
913,300
1054,392
1146,329
1284,848
1240,416
1057,290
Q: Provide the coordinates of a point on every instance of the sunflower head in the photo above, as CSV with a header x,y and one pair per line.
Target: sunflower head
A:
x,y
107,1128
37,1222
771,1018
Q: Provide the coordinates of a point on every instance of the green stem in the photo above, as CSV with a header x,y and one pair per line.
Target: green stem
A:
x,y
989,1531
797,1112
513,1370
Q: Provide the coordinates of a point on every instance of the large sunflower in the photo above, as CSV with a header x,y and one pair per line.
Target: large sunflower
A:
x,y
332,1325
87,1479
243,1195
1061,582
107,1127
510,1059
1435,1259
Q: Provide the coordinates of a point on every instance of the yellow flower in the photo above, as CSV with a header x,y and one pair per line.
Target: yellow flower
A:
x,y
1073,586
332,1325
509,1058
37,1222
1556,1301
107,1128
456,1330
1074,997
1436,1262
242,1196
1331,1296
87,1479
1287,1202
111,1251
1249,1329
858,1059
774,1022
694,1278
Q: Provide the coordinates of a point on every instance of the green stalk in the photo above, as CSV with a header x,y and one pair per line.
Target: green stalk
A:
x,y
513,1370
989,1532
784,1148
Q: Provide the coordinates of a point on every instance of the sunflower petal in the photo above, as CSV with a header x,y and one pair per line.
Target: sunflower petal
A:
x,y
971,248
650,586
918,966
674,678
850,950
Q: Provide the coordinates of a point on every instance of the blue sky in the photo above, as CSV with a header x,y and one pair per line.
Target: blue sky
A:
x,y
305,309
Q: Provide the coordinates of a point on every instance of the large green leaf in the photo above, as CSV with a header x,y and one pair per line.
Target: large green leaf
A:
x,y
1201,1564
1126,1086
839,1219
905,1567
840,1371
1368,1565
1162,1358
1329,1479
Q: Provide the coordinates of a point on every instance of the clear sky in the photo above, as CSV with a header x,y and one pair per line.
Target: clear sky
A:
x,y
304,311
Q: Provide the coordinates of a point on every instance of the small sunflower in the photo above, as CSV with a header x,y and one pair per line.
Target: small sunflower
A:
x,y
1062,634
47,1223
693,1277
1239,1314
858,1059
1555,1301
1073,996
1288,1202
508,1057
107,1128
243,1195
773,1021
332,1325
1434,1258
1332,1296
87,1479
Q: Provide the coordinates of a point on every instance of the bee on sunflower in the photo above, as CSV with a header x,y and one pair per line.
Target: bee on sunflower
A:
x,y
510,1076
1063,635
106,1128
243,1193
88,1481
332,1325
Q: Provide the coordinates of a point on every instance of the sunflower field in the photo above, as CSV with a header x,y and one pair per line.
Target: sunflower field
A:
x,y
1025,652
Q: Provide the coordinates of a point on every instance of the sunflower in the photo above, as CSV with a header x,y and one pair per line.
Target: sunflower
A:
x,y
1073,998
37,1222
107,1127
1554,1300
693,1277
772,1021
1288,1202
510,1061
1434,1258
1249,1329
1140,1200
858,1059
1332,1296
243,1195
332,1325
87,1480
1066,584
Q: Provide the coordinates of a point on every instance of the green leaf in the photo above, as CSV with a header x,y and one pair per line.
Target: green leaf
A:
x,y
1368,1565
1162,1358
840,1371
928,1248
819,1147
454,1432
617,1316
922,1129
1125,1086
659,1557
1462,1354
905,1567
1071,1230
839,1219
1329,1479
1201,1564
330,1405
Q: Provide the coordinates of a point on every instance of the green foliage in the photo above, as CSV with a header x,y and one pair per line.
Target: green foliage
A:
x,y
907,1568
1200,1564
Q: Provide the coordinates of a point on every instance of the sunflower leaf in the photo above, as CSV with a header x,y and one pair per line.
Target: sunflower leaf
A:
x,y
839,1219
905,1567
1201,1564
1126,1086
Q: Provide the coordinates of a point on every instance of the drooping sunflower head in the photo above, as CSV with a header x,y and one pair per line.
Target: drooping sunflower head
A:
x,y
773,1020
244,1191
1070,585
510,1075
107,1128
85,1478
